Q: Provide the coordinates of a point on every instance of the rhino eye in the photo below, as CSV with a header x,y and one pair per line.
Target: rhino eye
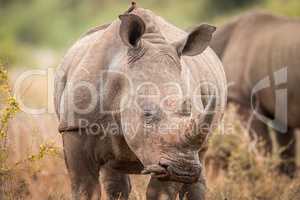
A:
x,y
151,115
186,108
148,113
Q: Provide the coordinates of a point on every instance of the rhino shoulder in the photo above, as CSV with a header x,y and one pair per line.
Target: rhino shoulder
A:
x,y
71,60
96,29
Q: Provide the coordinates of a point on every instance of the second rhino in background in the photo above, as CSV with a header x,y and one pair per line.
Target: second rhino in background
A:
x,y
260,53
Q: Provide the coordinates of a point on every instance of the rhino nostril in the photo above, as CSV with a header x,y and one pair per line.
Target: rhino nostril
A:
x,y
164,165
168,166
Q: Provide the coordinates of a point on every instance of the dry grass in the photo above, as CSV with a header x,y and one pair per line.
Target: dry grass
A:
x,y
241,172
235,171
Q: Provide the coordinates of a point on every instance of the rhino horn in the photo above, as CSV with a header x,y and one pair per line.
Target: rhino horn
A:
x,y
196,134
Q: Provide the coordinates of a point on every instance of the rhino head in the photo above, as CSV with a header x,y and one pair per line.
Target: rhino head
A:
x,y
161,125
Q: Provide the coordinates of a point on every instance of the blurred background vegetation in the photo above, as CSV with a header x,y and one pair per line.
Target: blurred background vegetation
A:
x,y
36,33
29,27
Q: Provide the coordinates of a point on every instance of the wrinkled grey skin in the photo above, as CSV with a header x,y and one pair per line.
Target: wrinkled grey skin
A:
x,y
139,48
253,47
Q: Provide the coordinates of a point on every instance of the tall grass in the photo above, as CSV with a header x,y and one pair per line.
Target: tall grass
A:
x,y
240,172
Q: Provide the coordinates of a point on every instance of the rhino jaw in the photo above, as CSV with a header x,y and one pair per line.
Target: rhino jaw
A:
x,y
169,171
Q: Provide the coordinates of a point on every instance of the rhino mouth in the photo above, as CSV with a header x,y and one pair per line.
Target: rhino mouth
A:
x,y
166,172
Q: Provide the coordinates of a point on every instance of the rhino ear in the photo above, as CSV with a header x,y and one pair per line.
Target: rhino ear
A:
x,y
196,41
131,30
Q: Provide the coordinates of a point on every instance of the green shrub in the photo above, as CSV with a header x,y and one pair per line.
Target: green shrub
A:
x,y
212,8
12,182
8,108
288,7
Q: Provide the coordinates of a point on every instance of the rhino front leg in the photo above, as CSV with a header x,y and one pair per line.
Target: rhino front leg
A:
x,y
194,191
258,129
162,190
115,185
82,171
287,149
